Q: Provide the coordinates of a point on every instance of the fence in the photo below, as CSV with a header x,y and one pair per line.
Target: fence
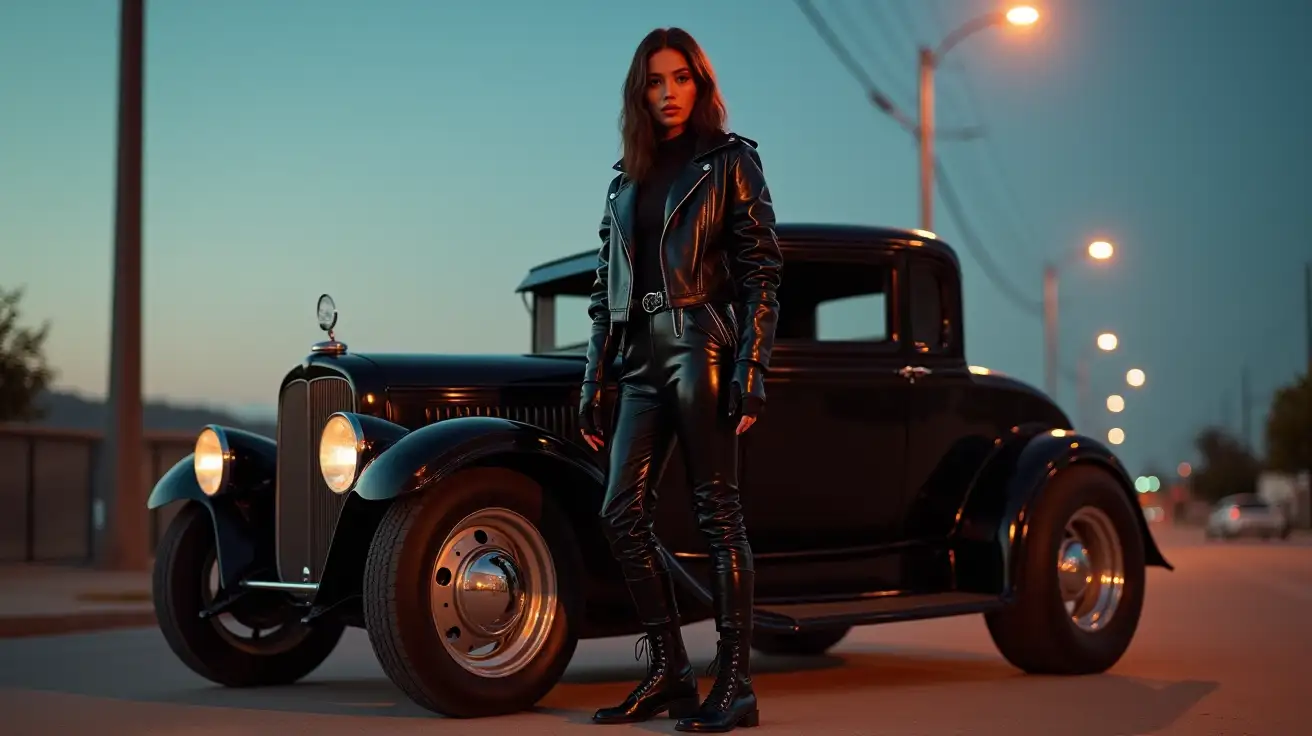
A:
x,y
47,481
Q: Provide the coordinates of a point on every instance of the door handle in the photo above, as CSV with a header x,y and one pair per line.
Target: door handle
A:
x,y
912,372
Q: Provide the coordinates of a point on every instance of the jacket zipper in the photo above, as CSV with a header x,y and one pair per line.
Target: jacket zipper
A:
x,y
665,284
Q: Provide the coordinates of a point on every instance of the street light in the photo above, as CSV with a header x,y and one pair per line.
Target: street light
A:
x,y
1116,435
1022,15
1115,404
1099,250
1135,377
1107,343
929,59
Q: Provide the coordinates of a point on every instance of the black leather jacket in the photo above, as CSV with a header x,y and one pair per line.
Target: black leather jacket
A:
x,y
719,245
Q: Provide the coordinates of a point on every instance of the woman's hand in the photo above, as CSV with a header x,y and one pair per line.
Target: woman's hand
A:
x,y
590,415
746,405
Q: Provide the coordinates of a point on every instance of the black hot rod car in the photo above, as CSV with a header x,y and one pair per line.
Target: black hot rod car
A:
x,y
448,505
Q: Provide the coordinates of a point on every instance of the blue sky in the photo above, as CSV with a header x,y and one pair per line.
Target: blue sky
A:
x,y
415,158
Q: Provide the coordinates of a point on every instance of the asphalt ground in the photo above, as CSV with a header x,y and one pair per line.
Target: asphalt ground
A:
x,y
1224,647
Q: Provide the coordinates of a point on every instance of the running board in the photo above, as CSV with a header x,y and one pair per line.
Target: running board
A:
x,y
810,616
796,617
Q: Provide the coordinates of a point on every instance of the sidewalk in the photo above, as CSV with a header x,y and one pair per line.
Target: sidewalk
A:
x,y
41,600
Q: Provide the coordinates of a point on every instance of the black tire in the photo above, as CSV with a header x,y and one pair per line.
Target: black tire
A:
x,y
804,644
401,568
1035,633
183,560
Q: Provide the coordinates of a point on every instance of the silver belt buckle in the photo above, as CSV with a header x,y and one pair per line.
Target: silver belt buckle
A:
x,y
652,301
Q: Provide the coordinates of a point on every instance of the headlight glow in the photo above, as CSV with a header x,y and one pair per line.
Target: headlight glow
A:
x,y
209,461
339,453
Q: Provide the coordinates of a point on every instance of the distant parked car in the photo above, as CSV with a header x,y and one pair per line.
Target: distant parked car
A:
x,y
1246,514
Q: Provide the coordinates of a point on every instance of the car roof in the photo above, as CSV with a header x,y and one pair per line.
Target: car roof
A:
x,y
573,274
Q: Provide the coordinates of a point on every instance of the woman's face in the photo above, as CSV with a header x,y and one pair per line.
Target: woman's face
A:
x,y
671,91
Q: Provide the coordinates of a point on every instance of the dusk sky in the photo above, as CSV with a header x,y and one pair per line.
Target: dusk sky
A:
x,y
414,158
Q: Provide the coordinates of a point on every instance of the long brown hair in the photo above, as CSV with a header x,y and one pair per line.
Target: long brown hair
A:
x,y
637,127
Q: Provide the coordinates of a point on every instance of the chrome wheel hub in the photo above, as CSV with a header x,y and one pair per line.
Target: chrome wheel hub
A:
x,y
1090,569
493,595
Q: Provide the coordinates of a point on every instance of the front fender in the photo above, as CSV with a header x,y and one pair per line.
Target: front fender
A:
x,y
428,455
997,509
243,520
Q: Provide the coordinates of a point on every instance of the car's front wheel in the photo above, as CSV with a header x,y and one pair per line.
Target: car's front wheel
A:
x,y
471,597
257,640
1080,586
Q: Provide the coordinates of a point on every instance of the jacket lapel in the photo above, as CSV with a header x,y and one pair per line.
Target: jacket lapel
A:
x,y
683,186
624,212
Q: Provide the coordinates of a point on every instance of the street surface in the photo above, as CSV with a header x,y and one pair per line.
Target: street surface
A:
x,y
1225,647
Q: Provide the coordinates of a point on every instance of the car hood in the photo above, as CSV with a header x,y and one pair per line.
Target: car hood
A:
x,y
399,370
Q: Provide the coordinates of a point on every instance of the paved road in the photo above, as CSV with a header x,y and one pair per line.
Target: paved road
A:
x,y
1225,647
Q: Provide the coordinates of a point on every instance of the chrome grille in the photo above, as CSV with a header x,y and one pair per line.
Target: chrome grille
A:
x,y
559,420
307,510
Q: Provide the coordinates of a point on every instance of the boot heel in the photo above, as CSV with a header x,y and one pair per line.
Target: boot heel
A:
x,y
751,720
684,708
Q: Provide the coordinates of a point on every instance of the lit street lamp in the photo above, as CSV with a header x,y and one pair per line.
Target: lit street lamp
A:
x,y
1107,343
929,59
1115,404
1116,435
1099,250
1135,377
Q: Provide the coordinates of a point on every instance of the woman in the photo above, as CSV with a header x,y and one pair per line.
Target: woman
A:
x,y
685,293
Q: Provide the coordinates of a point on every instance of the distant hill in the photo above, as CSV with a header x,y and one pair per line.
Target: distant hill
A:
x,y
70,411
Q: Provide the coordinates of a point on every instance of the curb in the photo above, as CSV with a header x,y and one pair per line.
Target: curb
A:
x,y
18,627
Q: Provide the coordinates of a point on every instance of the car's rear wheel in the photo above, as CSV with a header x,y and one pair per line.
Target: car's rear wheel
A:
x,y
1080,585
471,597
258,640
806,643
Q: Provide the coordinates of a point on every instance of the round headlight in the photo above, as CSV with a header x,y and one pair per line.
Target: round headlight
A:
x,y
210,460
339,453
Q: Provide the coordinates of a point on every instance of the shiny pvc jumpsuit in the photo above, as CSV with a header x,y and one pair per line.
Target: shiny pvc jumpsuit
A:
x,y
678,380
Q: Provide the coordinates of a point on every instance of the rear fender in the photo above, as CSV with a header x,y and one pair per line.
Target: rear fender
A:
x,y
993,524
242,517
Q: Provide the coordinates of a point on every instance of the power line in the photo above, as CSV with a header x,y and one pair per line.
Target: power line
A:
x,y
981,255
991,270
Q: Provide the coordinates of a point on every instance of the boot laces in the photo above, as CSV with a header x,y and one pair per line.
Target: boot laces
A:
x,y
652,648
725,687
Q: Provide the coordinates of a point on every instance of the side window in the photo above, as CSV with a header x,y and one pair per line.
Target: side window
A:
x,y
928,312
573,326
834,301
856,318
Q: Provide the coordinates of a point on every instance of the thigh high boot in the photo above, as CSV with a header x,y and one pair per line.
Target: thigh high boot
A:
x,y
710,451
640,448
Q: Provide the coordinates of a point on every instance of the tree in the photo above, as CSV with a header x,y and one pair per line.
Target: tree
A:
x,y
1227,467
1289,428
24,374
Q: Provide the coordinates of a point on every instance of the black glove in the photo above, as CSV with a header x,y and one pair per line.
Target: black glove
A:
x,y
590,408
747,392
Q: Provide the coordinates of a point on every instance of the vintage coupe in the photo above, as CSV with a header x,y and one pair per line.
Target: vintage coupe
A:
x,y
448,505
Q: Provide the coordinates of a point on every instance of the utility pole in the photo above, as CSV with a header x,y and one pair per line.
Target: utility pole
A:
x,y
119,514
1307,298
1050,330
1245,407
926,134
